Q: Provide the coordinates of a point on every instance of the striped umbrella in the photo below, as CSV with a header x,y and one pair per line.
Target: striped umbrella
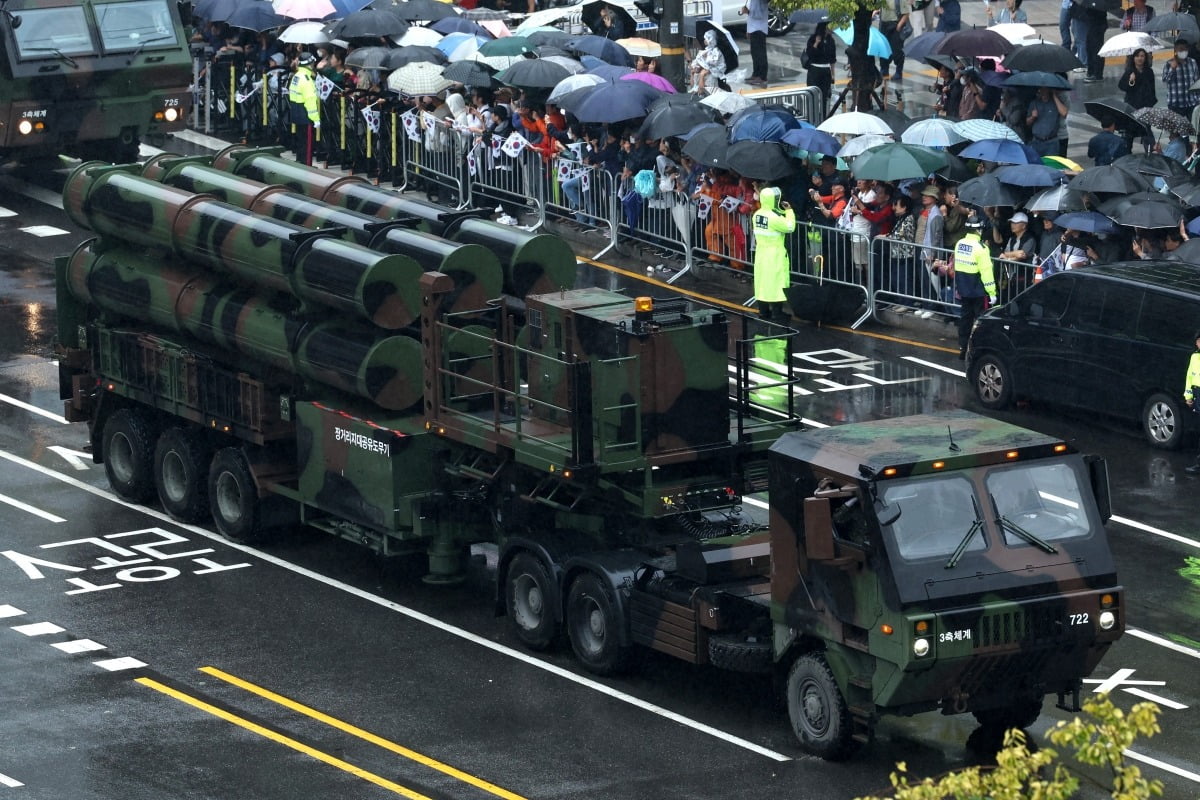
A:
x,y
974,130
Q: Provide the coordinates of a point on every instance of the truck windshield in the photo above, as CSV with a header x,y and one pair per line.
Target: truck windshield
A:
x,y
130,26
53,33
936,516
1041,499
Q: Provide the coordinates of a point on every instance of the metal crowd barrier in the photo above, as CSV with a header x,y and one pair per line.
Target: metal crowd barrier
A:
x,y
807,102
585,195
820,254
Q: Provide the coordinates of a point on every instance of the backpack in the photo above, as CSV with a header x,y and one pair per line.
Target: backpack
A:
x,y
645,183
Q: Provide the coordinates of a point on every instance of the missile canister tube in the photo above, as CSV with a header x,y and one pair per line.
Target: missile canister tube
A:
x,y
534,263
381,287
266,166
477,274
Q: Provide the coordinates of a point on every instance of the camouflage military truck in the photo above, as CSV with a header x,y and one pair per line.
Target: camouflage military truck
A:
x,y
90,79
421,381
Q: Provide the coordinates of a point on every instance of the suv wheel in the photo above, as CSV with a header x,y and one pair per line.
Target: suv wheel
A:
x,y
992,381
778,22
1162,420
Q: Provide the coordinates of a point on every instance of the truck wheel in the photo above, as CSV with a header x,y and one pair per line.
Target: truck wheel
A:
x,y
181,474
740,653
594,626
1162,421
233,498
128,447
1021,714
528,592
817,710
993,382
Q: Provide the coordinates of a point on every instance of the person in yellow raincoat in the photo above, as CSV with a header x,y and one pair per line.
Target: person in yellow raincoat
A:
x,y
771,223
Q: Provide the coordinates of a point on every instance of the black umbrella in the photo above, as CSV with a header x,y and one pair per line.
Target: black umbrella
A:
x,y
423,10
1186,189
898,121
470,73
1108,179
369,57
1039,79
1183,26
1117,110
1151,164
1114,206
555,38
257,16
411,54
1029,175
709,147
921,47
458,24
761,161
367,23
1150,215
533,73
987,190
1044,57
956,170
606,50
546,50
590,16
1189,251
973,43
725,42
674,120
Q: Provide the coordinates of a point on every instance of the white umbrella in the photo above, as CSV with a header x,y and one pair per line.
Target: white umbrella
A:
x,y
540,18
931,133
418,78
418,36
1125,44
727,102
854,123
566,62
975,130
1015,32
1057,198
568,85
861,144
304,33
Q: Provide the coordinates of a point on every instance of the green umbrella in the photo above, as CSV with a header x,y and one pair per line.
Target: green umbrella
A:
x,y
894,162
508,46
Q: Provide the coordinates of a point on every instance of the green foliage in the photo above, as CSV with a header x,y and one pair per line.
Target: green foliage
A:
x,y
1098,737
841,12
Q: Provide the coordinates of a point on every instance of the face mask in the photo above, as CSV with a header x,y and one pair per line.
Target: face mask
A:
x,y
963,81
1181,54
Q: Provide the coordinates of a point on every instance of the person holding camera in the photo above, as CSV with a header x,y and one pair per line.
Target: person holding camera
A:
x,y
772,222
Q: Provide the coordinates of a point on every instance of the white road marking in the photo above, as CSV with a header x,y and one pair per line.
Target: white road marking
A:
x,y
43,231
415,615
38,629
78,459
12,401
7,212
118,664
1156,698
11,783
1161,642
1154,762
1141,526
932,365
79,646
197,138
37,512
10,611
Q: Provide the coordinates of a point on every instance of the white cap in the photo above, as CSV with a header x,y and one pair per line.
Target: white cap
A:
x,y
1020,216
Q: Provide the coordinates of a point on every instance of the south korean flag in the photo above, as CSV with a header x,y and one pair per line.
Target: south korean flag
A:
x,y
497,144
372,117
513,145
412,126
565,172
325,87
730,204
704,207
472,163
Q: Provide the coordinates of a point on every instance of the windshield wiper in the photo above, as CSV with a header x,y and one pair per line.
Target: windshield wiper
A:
x,y
1005,522
976,526
70,61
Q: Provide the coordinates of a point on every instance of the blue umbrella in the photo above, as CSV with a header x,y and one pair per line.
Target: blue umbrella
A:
x,y
606,50
762,125
216,10
457,24
1086,221
617,101
702,126
1193,227
1030,175
1001,151
610,72
451,41
921,47
257,16
877,43
811,139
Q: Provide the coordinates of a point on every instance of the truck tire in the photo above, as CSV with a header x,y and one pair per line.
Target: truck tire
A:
x,y
1163,421
593,625
1021,714
740,653
181,474
128,447
233,497
817,710
528,598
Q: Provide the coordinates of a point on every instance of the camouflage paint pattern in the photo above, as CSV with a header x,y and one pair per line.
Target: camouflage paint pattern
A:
x,y
267,166
478,277
534,263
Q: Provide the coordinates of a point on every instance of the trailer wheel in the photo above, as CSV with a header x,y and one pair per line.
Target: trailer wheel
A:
x,y
1021,714
128,447
233,498
739,653
817,710
181,474
528,596
593,625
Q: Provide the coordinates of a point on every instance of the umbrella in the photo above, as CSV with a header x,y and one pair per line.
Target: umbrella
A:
x,y
1014,32
257,16
725,42
987,190
1057,199
861,144
973,43
1029,175
451,43
469,73
1044,57
763,125
610,72
508,46
637,46
606,50
898,121
542,18
652,79
1000,151
553,37
1108,179
975,130
812,140
368,57
480,13
1189,251
1061,163
709,146
417,79
1179,25
727,102
572,83
1120,210
854,123
457,24
1125,44
589,15
572,66
921,47
310,32
533,73
895,162
704,126
616,101
877,43
423,10
672,120
1151,164
1116,109
759,161
413,54
495,28
1037,78
1086,221
933,132
1165,119
956,170
423,37
294,9
369,22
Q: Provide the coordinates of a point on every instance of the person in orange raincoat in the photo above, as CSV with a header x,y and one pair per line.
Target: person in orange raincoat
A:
x,y
720,239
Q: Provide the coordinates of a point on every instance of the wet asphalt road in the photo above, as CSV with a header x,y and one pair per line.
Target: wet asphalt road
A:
x,y
336,676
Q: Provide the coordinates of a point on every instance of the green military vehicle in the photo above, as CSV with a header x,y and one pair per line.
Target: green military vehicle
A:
x,y
90,78
357,374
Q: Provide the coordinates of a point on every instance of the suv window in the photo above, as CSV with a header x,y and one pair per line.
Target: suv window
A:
x,y
1107,307
1046,301
1168,319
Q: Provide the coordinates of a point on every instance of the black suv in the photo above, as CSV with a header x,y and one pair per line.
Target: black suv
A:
x,y
1113,339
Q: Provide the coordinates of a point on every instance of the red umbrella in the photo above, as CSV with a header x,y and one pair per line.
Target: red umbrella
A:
x,y
654,79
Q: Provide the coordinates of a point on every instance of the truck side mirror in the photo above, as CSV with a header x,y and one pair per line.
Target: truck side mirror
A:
x,y
818,529
886,514
1098,473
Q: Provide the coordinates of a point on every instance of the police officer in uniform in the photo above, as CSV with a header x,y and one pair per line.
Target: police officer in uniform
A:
x,y
305,107
973,280
1191,392
771,222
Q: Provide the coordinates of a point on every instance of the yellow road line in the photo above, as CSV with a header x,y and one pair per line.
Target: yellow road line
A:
x,y
241,722
367,736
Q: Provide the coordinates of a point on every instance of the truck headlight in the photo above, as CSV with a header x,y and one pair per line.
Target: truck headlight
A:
x,y
921,647
1107,620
